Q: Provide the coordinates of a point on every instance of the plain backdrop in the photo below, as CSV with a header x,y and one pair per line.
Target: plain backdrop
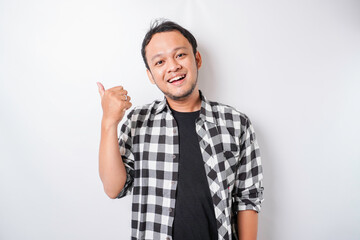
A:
x,y
292,66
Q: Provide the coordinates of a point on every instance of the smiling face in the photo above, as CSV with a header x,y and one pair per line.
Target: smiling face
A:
x,y
173,67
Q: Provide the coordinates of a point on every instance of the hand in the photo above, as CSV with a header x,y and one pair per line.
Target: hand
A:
x,y
114,102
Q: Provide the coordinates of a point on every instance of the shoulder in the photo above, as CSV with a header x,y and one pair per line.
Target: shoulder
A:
x,y
143,112
228,114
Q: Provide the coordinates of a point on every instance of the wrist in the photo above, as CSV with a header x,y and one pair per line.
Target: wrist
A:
x,y
107,125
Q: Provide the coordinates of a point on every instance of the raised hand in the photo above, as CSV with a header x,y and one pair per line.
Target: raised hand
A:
x,y
114,102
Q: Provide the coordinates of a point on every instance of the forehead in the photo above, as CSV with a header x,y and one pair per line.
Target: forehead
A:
x,y
165,42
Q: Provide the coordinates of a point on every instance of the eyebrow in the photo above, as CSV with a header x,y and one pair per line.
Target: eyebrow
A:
x,y
174,50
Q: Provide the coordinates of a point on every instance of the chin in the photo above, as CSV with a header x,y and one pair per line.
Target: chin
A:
x,y
181,96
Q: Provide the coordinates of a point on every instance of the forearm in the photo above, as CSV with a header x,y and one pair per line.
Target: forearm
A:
x,y
247,224
111,167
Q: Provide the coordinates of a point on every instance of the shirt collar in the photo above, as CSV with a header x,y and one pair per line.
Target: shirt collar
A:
x,y
206,112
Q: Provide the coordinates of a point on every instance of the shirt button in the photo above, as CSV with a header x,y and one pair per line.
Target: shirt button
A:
x,y
167,238
174,131
170,209
174,156
173,182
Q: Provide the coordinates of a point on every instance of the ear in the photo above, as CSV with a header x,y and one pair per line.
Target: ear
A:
x,y
198,59
150,76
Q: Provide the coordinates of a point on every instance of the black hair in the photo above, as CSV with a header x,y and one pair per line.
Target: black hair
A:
x,y
163,25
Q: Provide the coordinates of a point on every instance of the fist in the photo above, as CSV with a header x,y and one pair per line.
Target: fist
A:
x,y
114,102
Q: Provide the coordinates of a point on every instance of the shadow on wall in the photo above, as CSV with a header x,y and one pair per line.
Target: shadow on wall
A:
x,y
268,212
207,79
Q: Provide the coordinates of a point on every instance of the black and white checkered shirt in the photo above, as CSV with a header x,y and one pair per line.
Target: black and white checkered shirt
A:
x,y
149,146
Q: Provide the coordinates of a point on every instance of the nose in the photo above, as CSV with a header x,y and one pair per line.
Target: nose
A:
x,y
173,65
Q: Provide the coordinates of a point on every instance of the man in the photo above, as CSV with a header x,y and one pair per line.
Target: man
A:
x,y
193,166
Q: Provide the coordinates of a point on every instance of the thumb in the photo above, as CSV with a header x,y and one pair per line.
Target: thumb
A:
x,y
101,89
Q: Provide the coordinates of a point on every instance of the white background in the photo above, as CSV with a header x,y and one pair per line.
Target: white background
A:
x,y
292,66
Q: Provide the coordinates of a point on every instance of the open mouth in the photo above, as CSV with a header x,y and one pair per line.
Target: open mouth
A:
x,y
177,79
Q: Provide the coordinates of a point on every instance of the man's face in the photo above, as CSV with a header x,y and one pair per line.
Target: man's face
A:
x,y
173,67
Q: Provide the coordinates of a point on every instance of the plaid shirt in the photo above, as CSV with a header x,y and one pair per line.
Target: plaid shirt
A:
x,y
149,146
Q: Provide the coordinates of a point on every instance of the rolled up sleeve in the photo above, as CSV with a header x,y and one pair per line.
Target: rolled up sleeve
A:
x,y
248,194
125,145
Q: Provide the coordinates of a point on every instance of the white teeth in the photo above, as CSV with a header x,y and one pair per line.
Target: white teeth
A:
x,y
176,78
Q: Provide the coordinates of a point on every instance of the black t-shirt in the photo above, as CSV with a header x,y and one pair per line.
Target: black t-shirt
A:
x,y
194,211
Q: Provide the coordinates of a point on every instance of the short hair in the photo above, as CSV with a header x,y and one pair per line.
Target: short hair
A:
x,y
164,25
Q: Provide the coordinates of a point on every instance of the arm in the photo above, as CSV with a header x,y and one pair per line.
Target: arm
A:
x,y
111,167
248,194
247,224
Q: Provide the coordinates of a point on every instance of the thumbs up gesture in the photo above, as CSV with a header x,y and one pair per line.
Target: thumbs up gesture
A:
x,y
114,102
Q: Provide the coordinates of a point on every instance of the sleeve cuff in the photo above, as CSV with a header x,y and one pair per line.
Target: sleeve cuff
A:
x,y
127,189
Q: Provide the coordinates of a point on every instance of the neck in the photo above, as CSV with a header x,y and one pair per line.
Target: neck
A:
x,y
191,103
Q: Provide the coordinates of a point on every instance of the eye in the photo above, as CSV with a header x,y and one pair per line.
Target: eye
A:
x,y
181,55
159,62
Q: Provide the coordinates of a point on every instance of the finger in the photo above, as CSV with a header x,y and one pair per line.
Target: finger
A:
x,y
101,89
117,88
120,92
124,97
127,106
